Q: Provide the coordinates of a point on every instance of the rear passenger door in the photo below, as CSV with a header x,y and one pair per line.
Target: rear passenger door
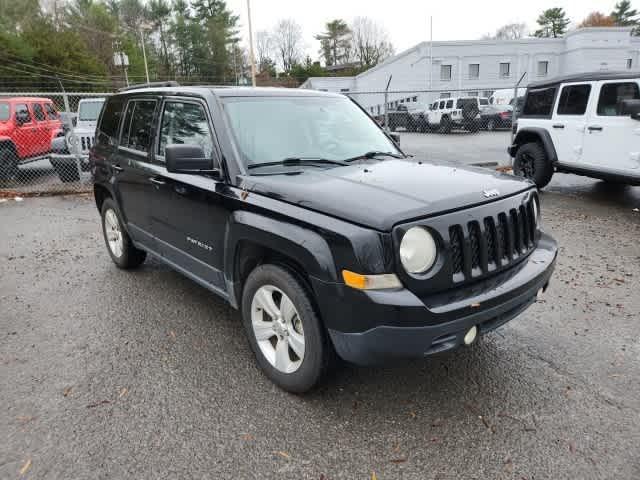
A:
x,y
189,216
612,141
42,129
131,164
569,121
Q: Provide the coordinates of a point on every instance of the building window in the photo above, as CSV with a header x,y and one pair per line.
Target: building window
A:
x,y
505,70
629,63
445,73
408,99
344,89
445,95
378,109
543,68
472,94
414,99
474,71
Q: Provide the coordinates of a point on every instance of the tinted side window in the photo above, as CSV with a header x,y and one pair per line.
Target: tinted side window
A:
x,y
574,99
539,101
185,123
442,104
449,103
51,112
110,122
21,109
38,112
612,93
136,133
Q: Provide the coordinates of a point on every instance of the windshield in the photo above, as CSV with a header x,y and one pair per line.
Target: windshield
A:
x,y
4,111
270,129
89,111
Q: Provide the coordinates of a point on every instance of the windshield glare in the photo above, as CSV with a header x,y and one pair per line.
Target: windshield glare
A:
x,y
4,111
89,111
270,129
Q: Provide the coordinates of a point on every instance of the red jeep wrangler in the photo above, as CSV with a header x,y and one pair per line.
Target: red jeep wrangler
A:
x,y
27,127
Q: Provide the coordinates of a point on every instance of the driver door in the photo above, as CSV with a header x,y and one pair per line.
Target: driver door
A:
x,y
612,141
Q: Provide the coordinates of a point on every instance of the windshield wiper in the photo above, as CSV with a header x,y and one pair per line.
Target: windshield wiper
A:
x,y
373,154
299,161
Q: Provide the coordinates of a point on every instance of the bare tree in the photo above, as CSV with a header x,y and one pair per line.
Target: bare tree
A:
x,y
264,46
287,40
510,31
371,43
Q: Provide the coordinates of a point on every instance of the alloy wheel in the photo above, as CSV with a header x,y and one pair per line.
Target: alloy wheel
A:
x,y
113,233
277,328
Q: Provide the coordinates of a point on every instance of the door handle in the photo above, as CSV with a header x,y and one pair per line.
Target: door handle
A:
x,y
157,181
596,128
117,168
558,125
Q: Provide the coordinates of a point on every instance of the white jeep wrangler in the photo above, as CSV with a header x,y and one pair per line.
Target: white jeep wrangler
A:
x,y
72,150
587,124
461,113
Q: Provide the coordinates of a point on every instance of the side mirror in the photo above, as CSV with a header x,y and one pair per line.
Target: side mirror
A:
x,y
630,107
395,137
22,118
182,158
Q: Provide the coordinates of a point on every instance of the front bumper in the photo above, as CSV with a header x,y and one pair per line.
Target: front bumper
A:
x,y
372,327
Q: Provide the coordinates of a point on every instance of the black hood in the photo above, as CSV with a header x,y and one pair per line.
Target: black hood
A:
x,y
380,194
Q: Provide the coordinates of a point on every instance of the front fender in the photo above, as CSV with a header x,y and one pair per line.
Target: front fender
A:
x,y
529,134
302,245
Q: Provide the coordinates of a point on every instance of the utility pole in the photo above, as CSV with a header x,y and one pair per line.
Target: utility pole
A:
x,y
251,57
430,53
144,55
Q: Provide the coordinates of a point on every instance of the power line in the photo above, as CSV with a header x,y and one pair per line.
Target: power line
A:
x,y
55,71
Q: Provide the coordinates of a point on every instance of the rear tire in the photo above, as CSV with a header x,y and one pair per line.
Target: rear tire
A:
x,y
119,245
531,162
264,314
491,125
445,125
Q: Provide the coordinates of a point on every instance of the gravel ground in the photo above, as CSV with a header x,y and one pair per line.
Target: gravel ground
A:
x,y
112,374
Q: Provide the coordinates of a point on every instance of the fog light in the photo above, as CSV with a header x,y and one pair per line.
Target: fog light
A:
x,y
471,335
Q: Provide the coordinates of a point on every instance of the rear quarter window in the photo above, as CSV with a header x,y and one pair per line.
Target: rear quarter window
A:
x,y
539,102
109,125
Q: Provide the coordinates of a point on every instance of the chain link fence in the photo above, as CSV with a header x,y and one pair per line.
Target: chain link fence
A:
x,y
466,126
45,140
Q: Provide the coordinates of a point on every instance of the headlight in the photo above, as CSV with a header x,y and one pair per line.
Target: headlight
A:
x,y
417,250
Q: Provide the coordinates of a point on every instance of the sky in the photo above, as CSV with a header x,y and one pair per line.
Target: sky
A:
x,y
408,21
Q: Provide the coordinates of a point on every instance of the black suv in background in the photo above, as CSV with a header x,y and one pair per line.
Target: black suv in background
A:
x,y
296,208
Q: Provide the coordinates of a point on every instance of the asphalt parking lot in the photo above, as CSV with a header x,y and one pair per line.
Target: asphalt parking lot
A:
x,y
144,374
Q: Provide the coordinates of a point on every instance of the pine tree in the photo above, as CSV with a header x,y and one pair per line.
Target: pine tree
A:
x,y
553,23
625,16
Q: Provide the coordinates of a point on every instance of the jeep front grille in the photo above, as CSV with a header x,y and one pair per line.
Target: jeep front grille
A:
x,y
482,246
87,143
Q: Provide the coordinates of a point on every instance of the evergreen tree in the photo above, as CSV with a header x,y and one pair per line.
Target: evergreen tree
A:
x,y
553,23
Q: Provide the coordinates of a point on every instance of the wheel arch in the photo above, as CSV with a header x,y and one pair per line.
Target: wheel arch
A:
x,y
253,239
539,135
100,194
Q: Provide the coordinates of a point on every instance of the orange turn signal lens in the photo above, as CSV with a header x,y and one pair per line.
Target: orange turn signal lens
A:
x,y
370,282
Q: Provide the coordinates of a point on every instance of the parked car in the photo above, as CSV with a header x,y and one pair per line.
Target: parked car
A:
x,y
72,150
587,124
456,113
27,127
494,117
296,208
410,119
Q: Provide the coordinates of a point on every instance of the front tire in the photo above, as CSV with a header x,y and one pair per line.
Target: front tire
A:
x,y
445,125
8,163
119,245
531,162
285,332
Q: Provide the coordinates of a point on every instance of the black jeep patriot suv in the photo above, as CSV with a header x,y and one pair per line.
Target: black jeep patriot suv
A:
x,y
296,208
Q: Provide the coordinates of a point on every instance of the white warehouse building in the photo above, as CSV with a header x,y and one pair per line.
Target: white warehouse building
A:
x,y
479,67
